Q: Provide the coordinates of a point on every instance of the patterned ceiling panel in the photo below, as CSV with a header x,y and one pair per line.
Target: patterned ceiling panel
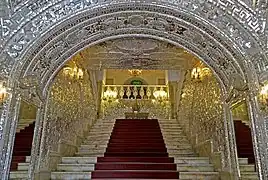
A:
x,y
141,53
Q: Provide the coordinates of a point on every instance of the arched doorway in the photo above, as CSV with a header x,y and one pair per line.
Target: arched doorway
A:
x,y
35,61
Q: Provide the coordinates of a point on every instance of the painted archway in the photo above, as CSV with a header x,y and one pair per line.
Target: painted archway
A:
x,y
228,37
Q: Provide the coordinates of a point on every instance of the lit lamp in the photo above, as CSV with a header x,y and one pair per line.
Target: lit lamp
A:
x,y
74,73
264,95
109,95
3,93
199,73
160,94
135,72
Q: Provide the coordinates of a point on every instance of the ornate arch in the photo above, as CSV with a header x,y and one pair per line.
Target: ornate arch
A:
x,y
228,36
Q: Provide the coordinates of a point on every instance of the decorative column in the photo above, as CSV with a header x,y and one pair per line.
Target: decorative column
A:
x,y
8,122
174,80
100,78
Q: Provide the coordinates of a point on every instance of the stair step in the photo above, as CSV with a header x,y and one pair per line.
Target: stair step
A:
x,y
136,154
247,168
88,154
76,167
243,161
199,175
79,160
195,167
23,166
18,175
135,174
135,166
93,146
137,159
249,175
70,175
191,160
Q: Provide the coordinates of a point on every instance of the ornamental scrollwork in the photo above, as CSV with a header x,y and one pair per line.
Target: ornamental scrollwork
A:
x,y
233,18
55,52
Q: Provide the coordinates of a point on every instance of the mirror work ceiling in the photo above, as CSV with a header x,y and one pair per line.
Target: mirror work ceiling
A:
x,y
135,53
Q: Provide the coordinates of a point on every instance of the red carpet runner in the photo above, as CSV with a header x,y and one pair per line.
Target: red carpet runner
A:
x,y
244,141
22,146
136,150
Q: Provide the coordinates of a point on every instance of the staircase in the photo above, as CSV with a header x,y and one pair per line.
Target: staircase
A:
x,y
23,123
22,148
136,149
245,150
102,157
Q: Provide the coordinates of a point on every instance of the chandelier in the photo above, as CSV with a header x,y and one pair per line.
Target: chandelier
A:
x,y
135,72
73,72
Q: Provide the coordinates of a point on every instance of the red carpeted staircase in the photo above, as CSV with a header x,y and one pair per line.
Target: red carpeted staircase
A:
x,y
136,149
244,141
22,146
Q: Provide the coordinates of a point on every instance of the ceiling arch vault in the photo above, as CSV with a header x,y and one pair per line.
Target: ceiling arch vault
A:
x,y
228,36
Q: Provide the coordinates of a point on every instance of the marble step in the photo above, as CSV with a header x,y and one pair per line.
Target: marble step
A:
x,y
94,146
97,139
79,160
191,160
76,167
176,151
195,168
199,175
170,126
249,175
178,144
243,161
171,130
28,159
23,166
100,136
180,167
182,136
185,146
70,175
89,154
102,131
247,168
180,139
18,175
182,154
102,127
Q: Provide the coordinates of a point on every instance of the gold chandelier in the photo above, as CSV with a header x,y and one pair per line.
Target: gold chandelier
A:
x,y
73,72
135,72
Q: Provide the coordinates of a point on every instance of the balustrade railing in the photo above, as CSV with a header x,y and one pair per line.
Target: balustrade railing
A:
x,y
135,92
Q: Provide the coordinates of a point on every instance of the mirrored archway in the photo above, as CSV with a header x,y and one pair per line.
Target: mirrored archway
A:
x,y
56,55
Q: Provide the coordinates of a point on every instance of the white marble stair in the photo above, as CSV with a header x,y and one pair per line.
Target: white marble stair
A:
x,y
23,123
22,172
188,163
247,171
81,166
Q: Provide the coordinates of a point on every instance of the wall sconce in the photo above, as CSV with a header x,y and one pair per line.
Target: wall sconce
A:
x,y
74,73
264,94
135,72
3,93
199,73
